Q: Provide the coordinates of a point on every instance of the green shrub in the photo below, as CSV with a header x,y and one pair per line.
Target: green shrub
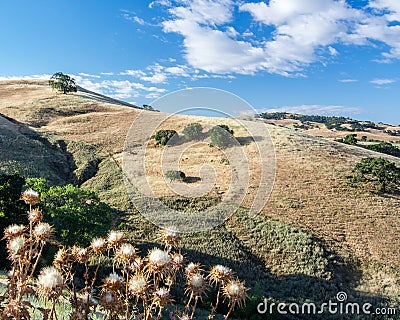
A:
x,y
77,214
350,139
377,171
385,147
175,175
221,136
163,136
193,131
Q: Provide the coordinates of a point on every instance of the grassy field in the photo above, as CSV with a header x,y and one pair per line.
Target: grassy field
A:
x,y
314,237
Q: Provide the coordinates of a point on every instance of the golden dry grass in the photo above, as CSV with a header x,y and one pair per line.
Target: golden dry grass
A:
x,y
310,191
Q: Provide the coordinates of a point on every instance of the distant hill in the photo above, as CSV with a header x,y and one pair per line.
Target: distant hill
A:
x,y
315,235
333,126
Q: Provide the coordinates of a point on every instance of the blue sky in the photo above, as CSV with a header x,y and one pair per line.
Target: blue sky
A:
x,y
309,56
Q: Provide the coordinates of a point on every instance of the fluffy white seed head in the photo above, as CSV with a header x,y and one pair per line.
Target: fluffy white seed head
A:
x,y
159,257
222,269
30,197
98,245
114,277
128,250
197,281
236,292
50,278
16,245
115,237
43,231
137,285
14,230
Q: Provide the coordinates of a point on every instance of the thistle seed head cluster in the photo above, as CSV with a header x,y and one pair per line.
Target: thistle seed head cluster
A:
x,y
144,282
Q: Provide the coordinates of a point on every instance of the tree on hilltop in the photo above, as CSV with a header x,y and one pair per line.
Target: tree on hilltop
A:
x,y
62,82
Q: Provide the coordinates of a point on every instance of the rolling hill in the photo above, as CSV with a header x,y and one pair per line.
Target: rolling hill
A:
x,y
314,237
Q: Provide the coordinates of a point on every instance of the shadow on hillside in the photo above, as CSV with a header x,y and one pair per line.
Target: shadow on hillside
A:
x,y
32,153
247,140
293,288
389,195
191,179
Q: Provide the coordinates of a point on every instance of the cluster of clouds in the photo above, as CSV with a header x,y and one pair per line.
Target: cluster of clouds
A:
x,y
283,36
315,109
227,38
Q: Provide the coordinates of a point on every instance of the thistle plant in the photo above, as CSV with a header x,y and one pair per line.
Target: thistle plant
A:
x,y
137,286
25,246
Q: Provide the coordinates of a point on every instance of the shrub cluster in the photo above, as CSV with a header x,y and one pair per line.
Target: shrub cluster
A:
x,y
193,131
163,136
221,136
381,173
175,175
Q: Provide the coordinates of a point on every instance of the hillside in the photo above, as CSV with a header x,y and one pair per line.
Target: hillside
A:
x,y
314,237
333,127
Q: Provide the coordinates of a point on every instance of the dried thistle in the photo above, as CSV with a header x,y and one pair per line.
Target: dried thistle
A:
x,y
50,283
98,245
236,292
178,261
125,254
196,285
111,301
171,237
220,274
62,258
35,215
162,297
14,231
138,285
158,261
42,231
115,238
80,255
16,246
30,197
192,268
113,283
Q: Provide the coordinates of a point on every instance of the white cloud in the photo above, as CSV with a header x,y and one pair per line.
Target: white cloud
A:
x,y
381,82
333,51
348,80
107,73
155,78
164,3
34,76
133,73
88,75
178,71
297,34
131,16
314,109
139,20
152,95
213,50
119,89
392,6
231,32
